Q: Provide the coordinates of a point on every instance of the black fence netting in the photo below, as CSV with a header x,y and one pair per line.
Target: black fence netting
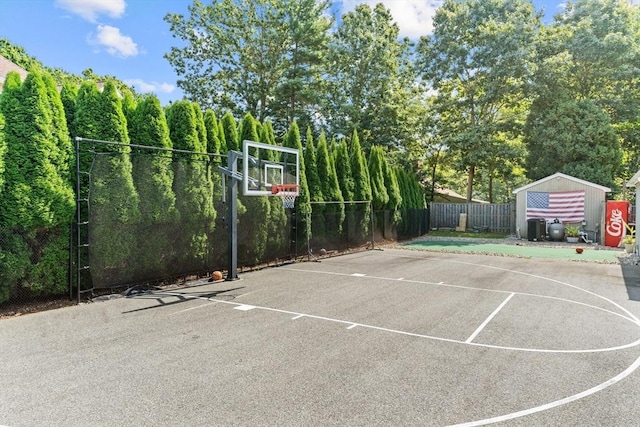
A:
x,y
149,217
34,264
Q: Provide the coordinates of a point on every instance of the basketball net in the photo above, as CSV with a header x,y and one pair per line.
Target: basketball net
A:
x,y
288,193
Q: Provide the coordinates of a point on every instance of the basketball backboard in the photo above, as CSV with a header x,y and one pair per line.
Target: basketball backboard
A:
x,y
265,165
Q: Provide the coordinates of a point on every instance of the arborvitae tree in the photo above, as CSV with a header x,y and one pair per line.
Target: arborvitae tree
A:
x,y
267,135
311,169
153,178
253,230
223,140
393,190
362,186
193,188
14,254
202,128
276,244
3,150
230,128
219,235
213,141
37,202
409,203
343,171
69,97
410,190
334,212
315,190
128,108
380,197
85,121
65,153
32,183
347,186
113,198
303,201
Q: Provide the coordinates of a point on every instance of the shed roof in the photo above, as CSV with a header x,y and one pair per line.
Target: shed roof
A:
x,y
451,196
561,175
635,180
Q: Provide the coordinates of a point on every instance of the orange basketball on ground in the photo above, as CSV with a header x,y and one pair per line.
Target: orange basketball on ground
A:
x,y
216,275
579,250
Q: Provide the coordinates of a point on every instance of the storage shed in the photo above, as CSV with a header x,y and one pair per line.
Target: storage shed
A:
x,y
570,199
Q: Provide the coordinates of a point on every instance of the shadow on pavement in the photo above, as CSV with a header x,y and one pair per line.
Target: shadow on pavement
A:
x,y
631,275
177,297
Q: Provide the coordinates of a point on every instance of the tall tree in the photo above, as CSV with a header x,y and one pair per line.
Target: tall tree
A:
x,y
590,54
254,227
69,96
343,171
153,178
573,137
362,186
315,188
37,201
334,211
240,54
379,194
296,95
391,184
277,245
303,201
479,62
113,198
230,130
3,150
213,140
192,186
37,192
367,88
311,169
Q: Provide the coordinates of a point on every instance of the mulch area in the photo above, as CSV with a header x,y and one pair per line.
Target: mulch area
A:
x,y
19,308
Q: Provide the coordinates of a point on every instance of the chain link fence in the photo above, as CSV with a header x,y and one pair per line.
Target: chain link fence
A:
x,y
166,222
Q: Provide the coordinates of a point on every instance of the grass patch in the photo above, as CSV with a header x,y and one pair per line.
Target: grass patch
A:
x,y
471,234
528,251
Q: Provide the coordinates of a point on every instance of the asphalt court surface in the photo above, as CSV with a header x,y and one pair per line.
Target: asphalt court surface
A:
x,y
391,337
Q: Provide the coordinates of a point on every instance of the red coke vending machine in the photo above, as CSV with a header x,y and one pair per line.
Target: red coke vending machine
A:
x,y
615,222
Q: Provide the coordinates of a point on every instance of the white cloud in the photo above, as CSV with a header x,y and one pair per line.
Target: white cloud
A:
x,y
150,87
414,17
114,42
91,9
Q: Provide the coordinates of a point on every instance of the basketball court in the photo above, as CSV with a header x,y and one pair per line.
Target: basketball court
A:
x,y
383,337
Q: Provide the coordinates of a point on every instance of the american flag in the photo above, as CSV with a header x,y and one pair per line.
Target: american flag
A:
x,y
567,206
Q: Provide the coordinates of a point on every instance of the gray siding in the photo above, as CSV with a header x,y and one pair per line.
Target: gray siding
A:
x,y
594,203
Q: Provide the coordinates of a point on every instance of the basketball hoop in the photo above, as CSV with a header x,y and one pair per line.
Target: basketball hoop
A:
x,y
288,193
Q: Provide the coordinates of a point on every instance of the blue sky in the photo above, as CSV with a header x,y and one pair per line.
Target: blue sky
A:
x,y
128,38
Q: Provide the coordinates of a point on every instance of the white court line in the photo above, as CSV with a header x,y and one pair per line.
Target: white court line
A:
x,y
488,319
297,317
635,365
194,308
352,326
628,371
631,318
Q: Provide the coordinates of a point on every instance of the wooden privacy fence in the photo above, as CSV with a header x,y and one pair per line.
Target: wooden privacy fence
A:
x,y
493,217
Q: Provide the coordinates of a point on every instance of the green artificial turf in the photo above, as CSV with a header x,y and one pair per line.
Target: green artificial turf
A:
x,y
529,251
